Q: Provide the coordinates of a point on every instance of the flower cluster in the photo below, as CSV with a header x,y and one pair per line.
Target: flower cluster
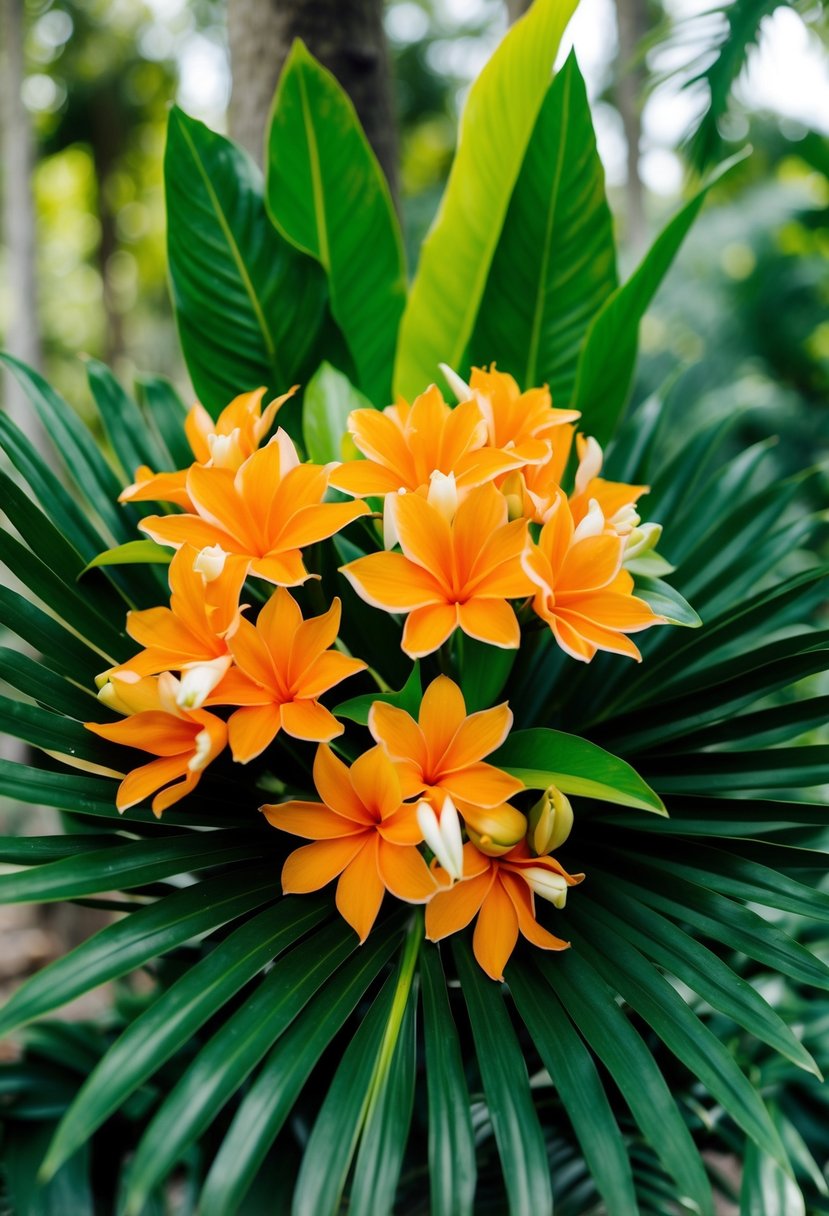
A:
x,y
470,529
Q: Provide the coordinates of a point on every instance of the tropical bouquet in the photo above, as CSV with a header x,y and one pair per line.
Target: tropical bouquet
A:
x,y
315,669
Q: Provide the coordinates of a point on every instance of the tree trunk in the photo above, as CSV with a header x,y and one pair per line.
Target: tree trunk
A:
x,y
347,36
632,19
22,337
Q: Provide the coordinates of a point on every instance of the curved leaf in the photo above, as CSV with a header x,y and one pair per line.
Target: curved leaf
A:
x,y
329,399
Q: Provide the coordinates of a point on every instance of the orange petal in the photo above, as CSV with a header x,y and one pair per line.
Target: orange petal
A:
x,y
217,500
158,487
329,669
309,720
476,737
591,563
285,569
150,731
523,902
379,438
391,582
496,931
482,785
424,534
310,819
251,730
145,780
319,522
235,688
491,621
176,530
442,711
594,635
428,628
401,827
253,657
399,734
161,627
174,793
331,778
277,624
450,911
480,516
363,478
404,872
360,889
375,781
197,426
310,638
315,865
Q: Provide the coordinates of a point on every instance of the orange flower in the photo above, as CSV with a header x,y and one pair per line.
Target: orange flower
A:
x,y
583,593
442,752
615,499
283,665
533,490
457,573
191,635
520,422
185,741
501,892
225,444
363,832
405,444
266,512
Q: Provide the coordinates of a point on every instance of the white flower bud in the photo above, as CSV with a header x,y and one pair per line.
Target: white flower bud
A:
x,y
210,562
198,681
442,834
458,386
546,885
225,450
201,755
592,524
443,494
642,540
590,465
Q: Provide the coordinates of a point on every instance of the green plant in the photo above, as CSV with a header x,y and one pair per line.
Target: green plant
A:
x,y
275,1064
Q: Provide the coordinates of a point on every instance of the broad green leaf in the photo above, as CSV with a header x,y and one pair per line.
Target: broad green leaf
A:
x,y
64,651
271,1097
329,399
134,552
327,194
541,757
766,1189
408,697
132,441
455,259
484,670
452,1169
555,263
177,1014
70,1190
608,354
53,733
608,1030
167,411
230,1055
248,305
579,1086
764,768
147,933
35,850
666,600
506,1089
39,532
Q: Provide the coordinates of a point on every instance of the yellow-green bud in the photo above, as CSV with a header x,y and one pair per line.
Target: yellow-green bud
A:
x,y
513,491
496,830
551,821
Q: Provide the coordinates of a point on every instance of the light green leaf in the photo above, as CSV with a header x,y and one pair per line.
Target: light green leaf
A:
x,y
329,399
456,256
666,600
541,757
555,263
133,552
408,697
608,355
248,305
327,194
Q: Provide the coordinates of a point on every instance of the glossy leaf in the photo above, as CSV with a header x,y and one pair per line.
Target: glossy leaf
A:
x,y
125,426
666,600
329,399
328,196
455,259
134,552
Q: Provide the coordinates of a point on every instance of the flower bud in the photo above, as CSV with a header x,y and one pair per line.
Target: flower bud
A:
x,y
592,524
551,821
458,385
642,540
442,834
210,562
443,494
199,680
590,462
226,450
543,883
513,491
495,830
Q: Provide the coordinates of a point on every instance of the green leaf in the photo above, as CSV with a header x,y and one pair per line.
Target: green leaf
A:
x,y
579,1086
134,552
248,305
506,1089
408,697
69,1191
327,194
272,1095
608,355
167,411
555,263
455,259
63,651
53,733
176,1015
452,1169
484,670
147,933
766,1189
39,531
132,440
541,757
666,600
593,1008
329,399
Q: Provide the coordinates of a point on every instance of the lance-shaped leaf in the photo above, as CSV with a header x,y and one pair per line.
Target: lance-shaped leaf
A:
x,y
329,399
555,264
496,125
248,305
327,194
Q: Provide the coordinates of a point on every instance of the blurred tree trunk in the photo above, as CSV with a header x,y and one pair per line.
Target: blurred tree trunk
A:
x,y
632,19
345,35
22,337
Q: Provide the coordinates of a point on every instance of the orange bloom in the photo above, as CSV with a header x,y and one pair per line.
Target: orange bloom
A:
x,y
266,512
442,752
185,741
615,499
405,444
520,422
223,444
191,635
501,892
533,490
451,574
283,665
583,593
363,832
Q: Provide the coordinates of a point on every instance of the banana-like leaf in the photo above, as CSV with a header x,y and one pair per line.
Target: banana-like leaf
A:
x,y
329,399
327,194
455,259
